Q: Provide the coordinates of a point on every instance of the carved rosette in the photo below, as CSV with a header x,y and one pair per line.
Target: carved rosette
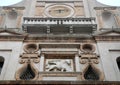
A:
x,y
28,70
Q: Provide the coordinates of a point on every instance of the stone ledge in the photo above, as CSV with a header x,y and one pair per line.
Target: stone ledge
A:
x,y
62,82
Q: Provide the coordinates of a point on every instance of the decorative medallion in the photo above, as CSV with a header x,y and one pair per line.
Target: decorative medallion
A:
x,y
59,11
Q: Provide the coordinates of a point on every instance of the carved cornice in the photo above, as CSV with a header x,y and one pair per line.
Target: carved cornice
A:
x,y
107,38
106,8
11,7
108,35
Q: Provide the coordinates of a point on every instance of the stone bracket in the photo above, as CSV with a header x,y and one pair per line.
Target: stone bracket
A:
x,y
89,58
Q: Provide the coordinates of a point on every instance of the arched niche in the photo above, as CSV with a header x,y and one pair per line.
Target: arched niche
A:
x,y
92,73
118,62
27,72
108,19
1,63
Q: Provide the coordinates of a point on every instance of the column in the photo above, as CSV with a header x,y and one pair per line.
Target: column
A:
x,y
42,58
77,63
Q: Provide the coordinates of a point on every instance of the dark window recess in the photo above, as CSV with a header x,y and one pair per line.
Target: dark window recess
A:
x,y
27,74
1,63
90,74
118,62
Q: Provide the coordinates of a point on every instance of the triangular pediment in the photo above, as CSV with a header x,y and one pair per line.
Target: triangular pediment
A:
x,y
111,33
108,33
9,33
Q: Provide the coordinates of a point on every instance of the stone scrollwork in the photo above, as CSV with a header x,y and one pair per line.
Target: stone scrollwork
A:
x,y
89,57
59,65
91,71
33,57
28,70
83,61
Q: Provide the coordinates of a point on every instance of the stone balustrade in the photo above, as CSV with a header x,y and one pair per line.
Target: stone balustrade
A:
x,y
59,25
59,21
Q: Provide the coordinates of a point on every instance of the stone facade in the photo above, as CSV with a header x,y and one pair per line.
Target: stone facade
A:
x,y
60,40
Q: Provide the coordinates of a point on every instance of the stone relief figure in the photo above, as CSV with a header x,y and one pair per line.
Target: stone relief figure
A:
x,y
59,65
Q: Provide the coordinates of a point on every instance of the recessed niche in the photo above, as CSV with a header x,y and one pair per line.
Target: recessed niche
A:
x,y
106,15
31,48
87,48
27,74
91,74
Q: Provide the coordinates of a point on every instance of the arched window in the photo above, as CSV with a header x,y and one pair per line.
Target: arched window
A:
x,y
118,62
1,63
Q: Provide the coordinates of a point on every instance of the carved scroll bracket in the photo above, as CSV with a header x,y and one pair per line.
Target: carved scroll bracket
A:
x,y
89,58
25,57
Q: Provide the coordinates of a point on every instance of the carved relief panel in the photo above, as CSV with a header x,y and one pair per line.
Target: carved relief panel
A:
x,y
59,63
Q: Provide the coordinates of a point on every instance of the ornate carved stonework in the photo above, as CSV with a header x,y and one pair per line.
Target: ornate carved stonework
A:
x,y
28,71
89,59
59,65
